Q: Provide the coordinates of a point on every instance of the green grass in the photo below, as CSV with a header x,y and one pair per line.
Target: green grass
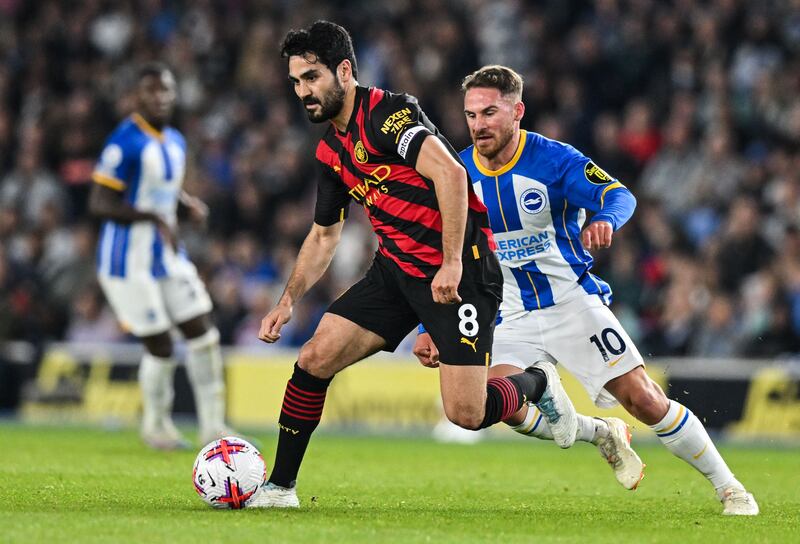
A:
x,y
83,485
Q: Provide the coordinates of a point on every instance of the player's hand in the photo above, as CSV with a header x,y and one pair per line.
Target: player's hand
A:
x,y
444,286
426,351
598,234
198,210
168,234
271,325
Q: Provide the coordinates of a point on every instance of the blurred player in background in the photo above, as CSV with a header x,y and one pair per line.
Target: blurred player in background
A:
x,y
435,262
144,271
537,192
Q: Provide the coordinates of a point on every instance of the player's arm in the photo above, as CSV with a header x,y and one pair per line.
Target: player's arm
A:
x,y
313,260
616,208
197,209
109,204
590,187
450,182
316,252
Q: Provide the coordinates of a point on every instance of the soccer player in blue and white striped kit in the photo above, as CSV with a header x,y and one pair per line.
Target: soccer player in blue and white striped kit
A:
x,y
147,278
537,192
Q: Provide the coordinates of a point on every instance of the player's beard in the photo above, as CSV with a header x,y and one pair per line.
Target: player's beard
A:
x,y
330,105
499,143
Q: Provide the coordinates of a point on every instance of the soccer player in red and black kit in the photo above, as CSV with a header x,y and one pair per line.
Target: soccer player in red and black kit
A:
x,y
434,265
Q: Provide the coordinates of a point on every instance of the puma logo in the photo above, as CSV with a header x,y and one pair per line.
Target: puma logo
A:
x,y
287,429
470,344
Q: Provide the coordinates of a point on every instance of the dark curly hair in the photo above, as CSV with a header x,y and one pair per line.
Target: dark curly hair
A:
x,y
327,41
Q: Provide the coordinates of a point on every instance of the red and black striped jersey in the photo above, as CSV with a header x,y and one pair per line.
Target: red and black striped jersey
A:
x,y
373,163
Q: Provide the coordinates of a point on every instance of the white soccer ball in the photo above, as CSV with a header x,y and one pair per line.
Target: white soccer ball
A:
x,y
228,473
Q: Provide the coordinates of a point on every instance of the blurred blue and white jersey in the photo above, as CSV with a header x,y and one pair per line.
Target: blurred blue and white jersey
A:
x,y
537,206
148,167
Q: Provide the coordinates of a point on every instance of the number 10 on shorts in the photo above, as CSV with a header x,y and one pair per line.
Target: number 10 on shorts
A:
x,y
611,342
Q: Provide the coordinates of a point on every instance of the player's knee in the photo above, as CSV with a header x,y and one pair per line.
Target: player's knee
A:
x,y
158,346
466,417
648,403
315,360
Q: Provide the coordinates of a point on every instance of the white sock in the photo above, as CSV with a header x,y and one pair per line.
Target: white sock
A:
x,y
535,426
683,434
155,378
204,367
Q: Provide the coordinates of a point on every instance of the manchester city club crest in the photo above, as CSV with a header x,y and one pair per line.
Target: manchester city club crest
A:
x,y
361,153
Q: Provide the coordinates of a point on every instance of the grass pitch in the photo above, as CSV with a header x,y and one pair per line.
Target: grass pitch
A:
x,y
84,485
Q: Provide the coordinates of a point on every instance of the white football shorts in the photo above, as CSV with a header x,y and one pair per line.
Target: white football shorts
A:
x,y
146,306
582,334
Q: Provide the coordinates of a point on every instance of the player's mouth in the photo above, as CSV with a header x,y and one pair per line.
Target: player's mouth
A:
x,y
483,138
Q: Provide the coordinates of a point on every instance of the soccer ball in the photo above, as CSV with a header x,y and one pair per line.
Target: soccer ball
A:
x,y
228,473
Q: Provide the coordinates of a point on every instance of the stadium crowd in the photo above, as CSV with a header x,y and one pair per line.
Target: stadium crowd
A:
x,y
694,105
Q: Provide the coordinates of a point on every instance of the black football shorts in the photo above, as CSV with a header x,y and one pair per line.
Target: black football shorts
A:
x,y
391,303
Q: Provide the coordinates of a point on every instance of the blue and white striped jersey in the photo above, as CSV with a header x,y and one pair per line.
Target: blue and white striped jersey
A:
x,y
148,167
537,206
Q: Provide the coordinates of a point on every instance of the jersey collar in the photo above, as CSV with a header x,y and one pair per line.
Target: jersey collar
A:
x,y
146,127
523,134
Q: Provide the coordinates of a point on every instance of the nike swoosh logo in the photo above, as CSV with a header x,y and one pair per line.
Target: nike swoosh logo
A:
x,y
614,362
701,452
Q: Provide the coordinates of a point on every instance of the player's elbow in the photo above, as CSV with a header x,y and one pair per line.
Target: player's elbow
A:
x,y
325,237
451,176
633,201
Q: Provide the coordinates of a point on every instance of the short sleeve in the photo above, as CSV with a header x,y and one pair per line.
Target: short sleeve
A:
x,y
586,184
333,199
399,127
113,166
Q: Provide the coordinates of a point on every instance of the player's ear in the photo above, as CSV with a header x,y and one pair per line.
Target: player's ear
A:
x,y
344,71
519,110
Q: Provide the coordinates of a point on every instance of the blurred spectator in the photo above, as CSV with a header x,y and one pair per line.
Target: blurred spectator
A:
x,y
743,250
694,105
717,333
91,320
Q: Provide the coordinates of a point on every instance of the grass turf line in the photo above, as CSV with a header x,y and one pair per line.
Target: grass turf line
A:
x,y
84,485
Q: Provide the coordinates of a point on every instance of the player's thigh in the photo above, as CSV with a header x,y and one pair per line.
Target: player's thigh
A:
x,y
463,332
138,304
184,293
586,337
378,305
518,343
463,390
337,343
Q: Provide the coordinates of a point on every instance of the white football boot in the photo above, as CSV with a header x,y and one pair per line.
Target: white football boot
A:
x,y
206,436
616,449
738,502
163,435
274,496
556,407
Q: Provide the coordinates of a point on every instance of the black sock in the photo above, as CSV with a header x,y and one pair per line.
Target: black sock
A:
x,y
504,396
532,383
300,415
